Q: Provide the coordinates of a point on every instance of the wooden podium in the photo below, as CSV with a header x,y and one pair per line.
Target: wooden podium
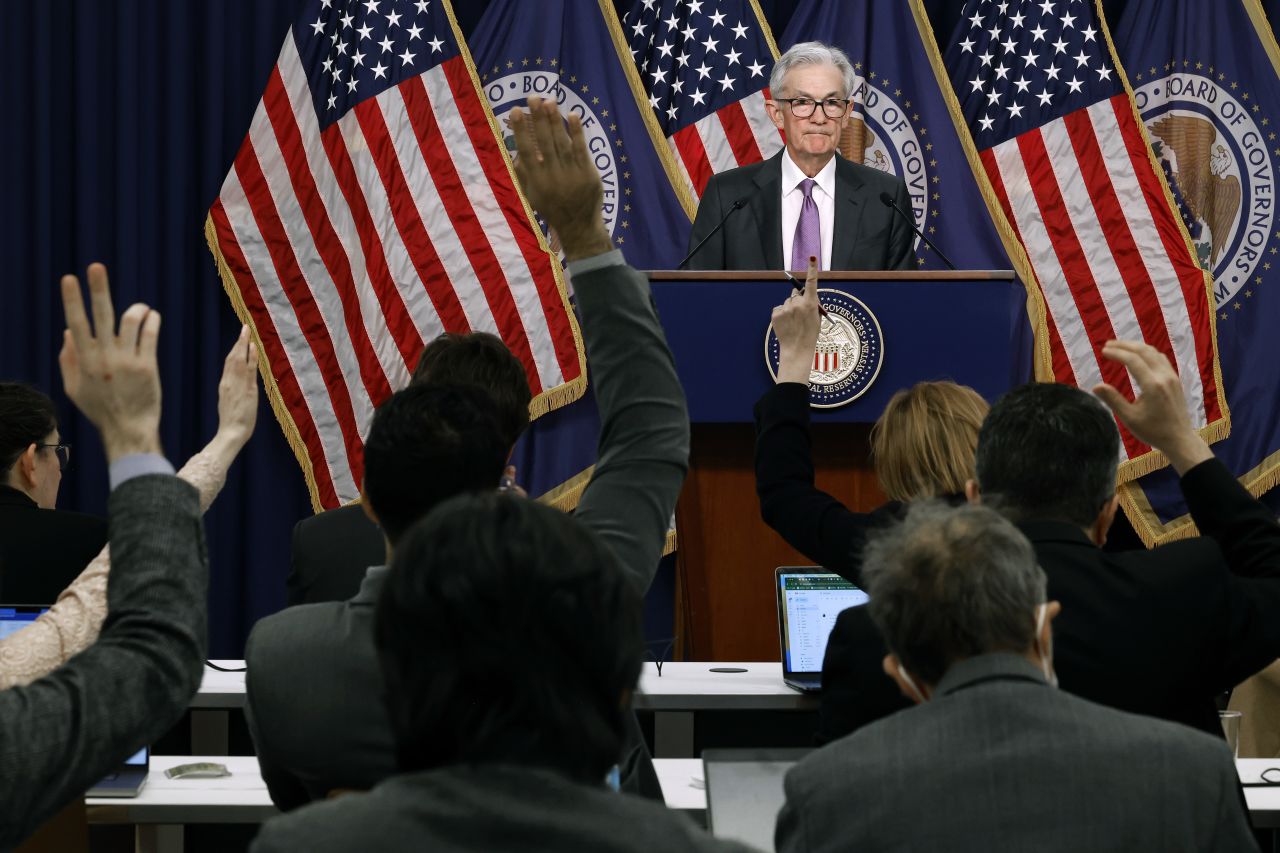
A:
x,y
970,327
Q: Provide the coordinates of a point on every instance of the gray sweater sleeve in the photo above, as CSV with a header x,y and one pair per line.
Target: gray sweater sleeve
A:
x,y
61,734
643,453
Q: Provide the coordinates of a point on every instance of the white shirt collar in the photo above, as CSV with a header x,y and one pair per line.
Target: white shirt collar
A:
x,y
792,176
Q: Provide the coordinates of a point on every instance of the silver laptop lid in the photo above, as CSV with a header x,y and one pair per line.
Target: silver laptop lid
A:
x,y
809,600
745,793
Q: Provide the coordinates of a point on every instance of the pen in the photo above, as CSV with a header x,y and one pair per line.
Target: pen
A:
x,y
799,286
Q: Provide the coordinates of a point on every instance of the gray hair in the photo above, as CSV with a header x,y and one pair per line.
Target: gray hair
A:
x,y
950,583
812,53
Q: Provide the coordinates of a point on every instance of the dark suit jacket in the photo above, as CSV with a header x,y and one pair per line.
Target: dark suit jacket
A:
x,y
64,732
331,553
43,550
314,689
998,760
491,808
866,235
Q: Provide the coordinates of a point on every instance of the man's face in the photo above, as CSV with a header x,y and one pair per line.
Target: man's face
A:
x,y
814,137
47,473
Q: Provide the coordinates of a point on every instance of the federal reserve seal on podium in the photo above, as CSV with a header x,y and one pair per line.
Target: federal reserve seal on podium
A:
x,y
849,354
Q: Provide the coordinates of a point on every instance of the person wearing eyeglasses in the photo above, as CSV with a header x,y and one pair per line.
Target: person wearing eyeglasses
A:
x,y
806,200
42,549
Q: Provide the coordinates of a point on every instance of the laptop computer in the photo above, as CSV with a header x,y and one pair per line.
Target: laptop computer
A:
x,y
809,600
128,778
744,792
15,617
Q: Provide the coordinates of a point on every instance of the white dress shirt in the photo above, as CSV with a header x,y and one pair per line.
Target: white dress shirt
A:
x,y
824,195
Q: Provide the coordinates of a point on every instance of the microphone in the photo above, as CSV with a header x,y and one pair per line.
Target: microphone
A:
x,y
740,203
887,200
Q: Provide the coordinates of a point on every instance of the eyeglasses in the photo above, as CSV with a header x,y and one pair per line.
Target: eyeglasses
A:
x,y
805,107
64,454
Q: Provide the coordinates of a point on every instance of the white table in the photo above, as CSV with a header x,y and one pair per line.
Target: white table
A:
x,y
165,805
1264,803
683,786
685,687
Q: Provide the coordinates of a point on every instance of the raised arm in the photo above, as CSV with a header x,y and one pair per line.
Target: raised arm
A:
x,y
810,520
1243,527
65,731
644,432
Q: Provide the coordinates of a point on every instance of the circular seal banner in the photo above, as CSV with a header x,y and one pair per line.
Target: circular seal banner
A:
x,y
1223,177
849,354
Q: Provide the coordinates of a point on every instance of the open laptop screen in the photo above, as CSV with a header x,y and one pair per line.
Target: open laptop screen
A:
x,y
15,617
809,600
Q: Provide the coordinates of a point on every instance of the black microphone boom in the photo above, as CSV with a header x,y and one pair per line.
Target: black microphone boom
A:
x,y
888,202
742,202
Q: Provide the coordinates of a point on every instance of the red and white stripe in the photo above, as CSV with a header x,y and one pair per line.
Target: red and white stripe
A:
x,y
353,247
733,136
1106,250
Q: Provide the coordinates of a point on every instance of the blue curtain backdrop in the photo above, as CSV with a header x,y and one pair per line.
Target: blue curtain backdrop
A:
x,y
123,118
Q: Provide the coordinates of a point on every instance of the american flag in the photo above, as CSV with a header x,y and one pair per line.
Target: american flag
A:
x,y
1059,140
705,67
370,208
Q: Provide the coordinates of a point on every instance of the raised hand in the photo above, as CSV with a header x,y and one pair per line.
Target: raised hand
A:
x,y
238,391
1159,415
557,177
112,377
796,323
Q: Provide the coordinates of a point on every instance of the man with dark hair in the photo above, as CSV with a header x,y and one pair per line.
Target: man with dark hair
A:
x,y
42,549
504,741
295,657
993,757
312,684
332,550
65,731
1159,632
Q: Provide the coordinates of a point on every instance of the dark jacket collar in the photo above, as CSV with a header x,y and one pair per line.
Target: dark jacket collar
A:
x,y
9,496
994,667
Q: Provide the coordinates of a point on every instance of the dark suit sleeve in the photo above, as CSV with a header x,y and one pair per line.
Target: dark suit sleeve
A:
x,y
855,690
286,790
67,730
901,237
789,835
811,521
644,425
1244,528
710,212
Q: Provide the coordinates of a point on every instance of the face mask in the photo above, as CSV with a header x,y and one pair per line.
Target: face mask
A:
x,y
1046,655
920,697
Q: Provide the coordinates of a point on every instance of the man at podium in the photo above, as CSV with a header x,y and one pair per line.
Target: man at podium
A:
x,y
805,200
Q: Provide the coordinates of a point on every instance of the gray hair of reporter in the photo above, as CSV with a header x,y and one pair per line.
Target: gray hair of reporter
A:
x,y
949,583
812,53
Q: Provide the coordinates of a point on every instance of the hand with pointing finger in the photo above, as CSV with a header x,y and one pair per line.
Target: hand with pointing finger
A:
x,y
1159,415
796,322
112,376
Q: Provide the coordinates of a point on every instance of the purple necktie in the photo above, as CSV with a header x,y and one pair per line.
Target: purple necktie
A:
x,y
808,239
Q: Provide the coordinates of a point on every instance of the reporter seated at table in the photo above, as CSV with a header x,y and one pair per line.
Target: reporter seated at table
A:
x,y
332,551
509,639
73,622
42,548
314,693
65,731
922,446
994,756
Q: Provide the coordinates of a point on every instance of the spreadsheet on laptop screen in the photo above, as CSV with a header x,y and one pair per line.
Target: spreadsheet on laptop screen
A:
x,y
812,603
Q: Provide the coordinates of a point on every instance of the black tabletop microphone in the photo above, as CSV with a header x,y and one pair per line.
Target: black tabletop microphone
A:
x,y
742,202
888,202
